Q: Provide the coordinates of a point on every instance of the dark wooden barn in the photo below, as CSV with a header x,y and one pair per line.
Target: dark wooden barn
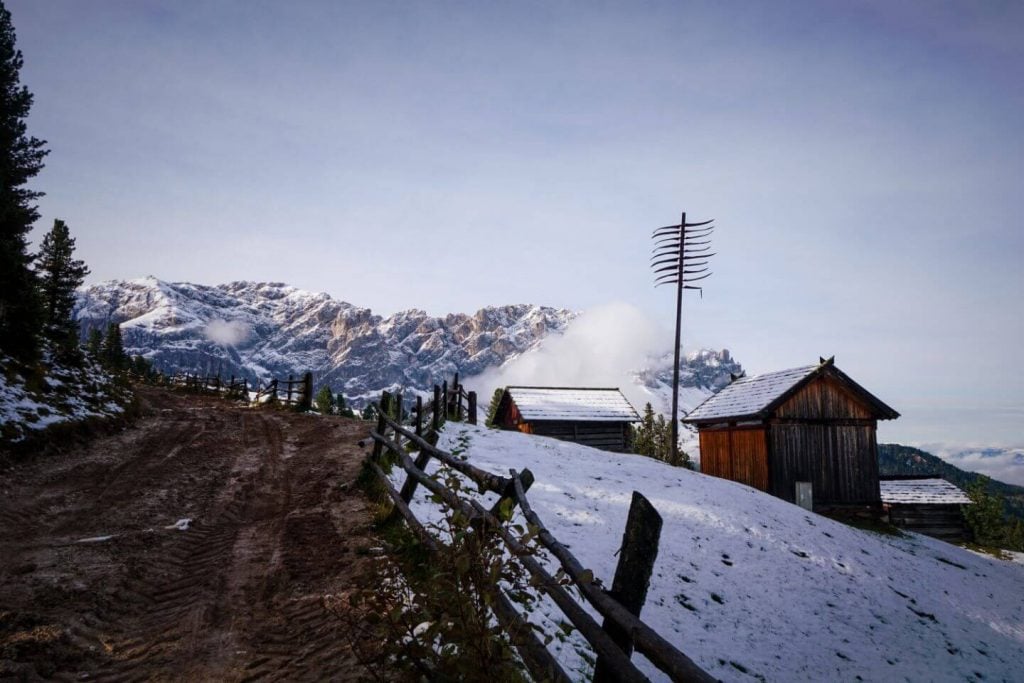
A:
x,y
601,418
929,505
813,425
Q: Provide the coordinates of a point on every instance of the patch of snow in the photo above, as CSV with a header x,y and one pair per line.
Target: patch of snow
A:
x,y
181,525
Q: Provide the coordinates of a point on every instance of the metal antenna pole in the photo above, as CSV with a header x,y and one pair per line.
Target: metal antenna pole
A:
x,y
680,258
679,332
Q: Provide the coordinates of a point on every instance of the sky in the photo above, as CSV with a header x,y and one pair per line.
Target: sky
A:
x,y
863,161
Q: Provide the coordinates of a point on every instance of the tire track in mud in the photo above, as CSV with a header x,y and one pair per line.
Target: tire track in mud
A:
x,y
243,593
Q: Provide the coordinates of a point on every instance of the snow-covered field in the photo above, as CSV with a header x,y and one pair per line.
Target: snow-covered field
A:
x,y
754,588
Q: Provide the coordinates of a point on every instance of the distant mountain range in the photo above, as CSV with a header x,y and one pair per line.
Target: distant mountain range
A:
x,y
263,330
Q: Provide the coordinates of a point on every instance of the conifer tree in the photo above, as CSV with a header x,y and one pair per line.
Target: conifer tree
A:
x,y
324,401
60,274
21,158
113,353
94,344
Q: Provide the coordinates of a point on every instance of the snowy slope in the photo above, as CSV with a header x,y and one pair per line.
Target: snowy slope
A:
x,y
66,394
754,588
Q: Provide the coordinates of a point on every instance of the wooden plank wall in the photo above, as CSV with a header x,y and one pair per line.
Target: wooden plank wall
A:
x,y
839,460
824,398
737,454
945,522
608,436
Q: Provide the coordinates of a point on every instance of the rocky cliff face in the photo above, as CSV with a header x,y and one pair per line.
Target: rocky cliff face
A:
x,y
263,330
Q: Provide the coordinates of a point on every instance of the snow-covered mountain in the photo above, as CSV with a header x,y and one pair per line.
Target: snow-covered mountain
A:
x,y
263,330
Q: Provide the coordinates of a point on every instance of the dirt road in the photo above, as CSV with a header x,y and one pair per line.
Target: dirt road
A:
x,y
100,580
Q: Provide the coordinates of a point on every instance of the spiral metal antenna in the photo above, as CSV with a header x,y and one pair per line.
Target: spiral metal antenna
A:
x,y
681,254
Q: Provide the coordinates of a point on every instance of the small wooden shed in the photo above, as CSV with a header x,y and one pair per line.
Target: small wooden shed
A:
x,y
601,418
927,504
813,425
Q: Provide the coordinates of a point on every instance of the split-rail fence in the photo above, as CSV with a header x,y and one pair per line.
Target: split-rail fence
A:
x,y
622,630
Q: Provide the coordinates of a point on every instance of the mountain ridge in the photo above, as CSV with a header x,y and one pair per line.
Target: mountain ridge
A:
x,y
259,330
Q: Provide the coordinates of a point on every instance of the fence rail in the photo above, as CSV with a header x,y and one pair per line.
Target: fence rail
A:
x,y
289,392
622,630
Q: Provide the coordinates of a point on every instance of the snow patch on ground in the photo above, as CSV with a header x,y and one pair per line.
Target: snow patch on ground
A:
x,y
65,394
754,588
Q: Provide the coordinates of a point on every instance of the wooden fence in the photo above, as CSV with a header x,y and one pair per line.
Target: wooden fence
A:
x,y
289,392
622,629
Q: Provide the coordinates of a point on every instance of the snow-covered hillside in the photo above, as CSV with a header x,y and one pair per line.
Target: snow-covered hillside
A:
x,y
63,394
754,588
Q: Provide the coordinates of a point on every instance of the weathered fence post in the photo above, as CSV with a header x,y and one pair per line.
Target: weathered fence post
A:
x,y
435,417
419,415
445,398
398,408
382,409
633,573
290,380
306,400
472,407
457,398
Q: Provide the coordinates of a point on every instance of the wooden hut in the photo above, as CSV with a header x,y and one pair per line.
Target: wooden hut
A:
x,y
928,504
601,418
812,426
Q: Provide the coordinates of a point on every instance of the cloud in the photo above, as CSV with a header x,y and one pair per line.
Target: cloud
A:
x,y
1004,464
600,348
227,332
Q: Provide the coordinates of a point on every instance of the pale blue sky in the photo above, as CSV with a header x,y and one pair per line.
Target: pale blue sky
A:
x,y
864,162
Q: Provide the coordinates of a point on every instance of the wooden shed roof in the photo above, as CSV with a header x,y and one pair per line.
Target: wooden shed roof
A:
x,y
915,491
572,404
749,398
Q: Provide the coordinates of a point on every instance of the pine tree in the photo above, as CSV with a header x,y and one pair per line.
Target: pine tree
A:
x,y
985,516
492,409
653,438
21,158
369,412
324,401
59,276
113,353
94,344
342,407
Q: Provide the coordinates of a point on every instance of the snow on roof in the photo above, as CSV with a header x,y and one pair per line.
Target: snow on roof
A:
x,y
911,491
749,395
574,404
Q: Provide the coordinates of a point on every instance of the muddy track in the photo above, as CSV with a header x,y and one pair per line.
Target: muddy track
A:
x,y
248,592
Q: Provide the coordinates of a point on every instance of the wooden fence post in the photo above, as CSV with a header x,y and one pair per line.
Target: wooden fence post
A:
x,y
445,398
435,417
290,380
633,573
457,398
419,415
472,407
306,400
382,409
398,408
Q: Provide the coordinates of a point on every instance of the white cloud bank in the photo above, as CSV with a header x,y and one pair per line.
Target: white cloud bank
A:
x,y
1004,464
227,332
600,348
